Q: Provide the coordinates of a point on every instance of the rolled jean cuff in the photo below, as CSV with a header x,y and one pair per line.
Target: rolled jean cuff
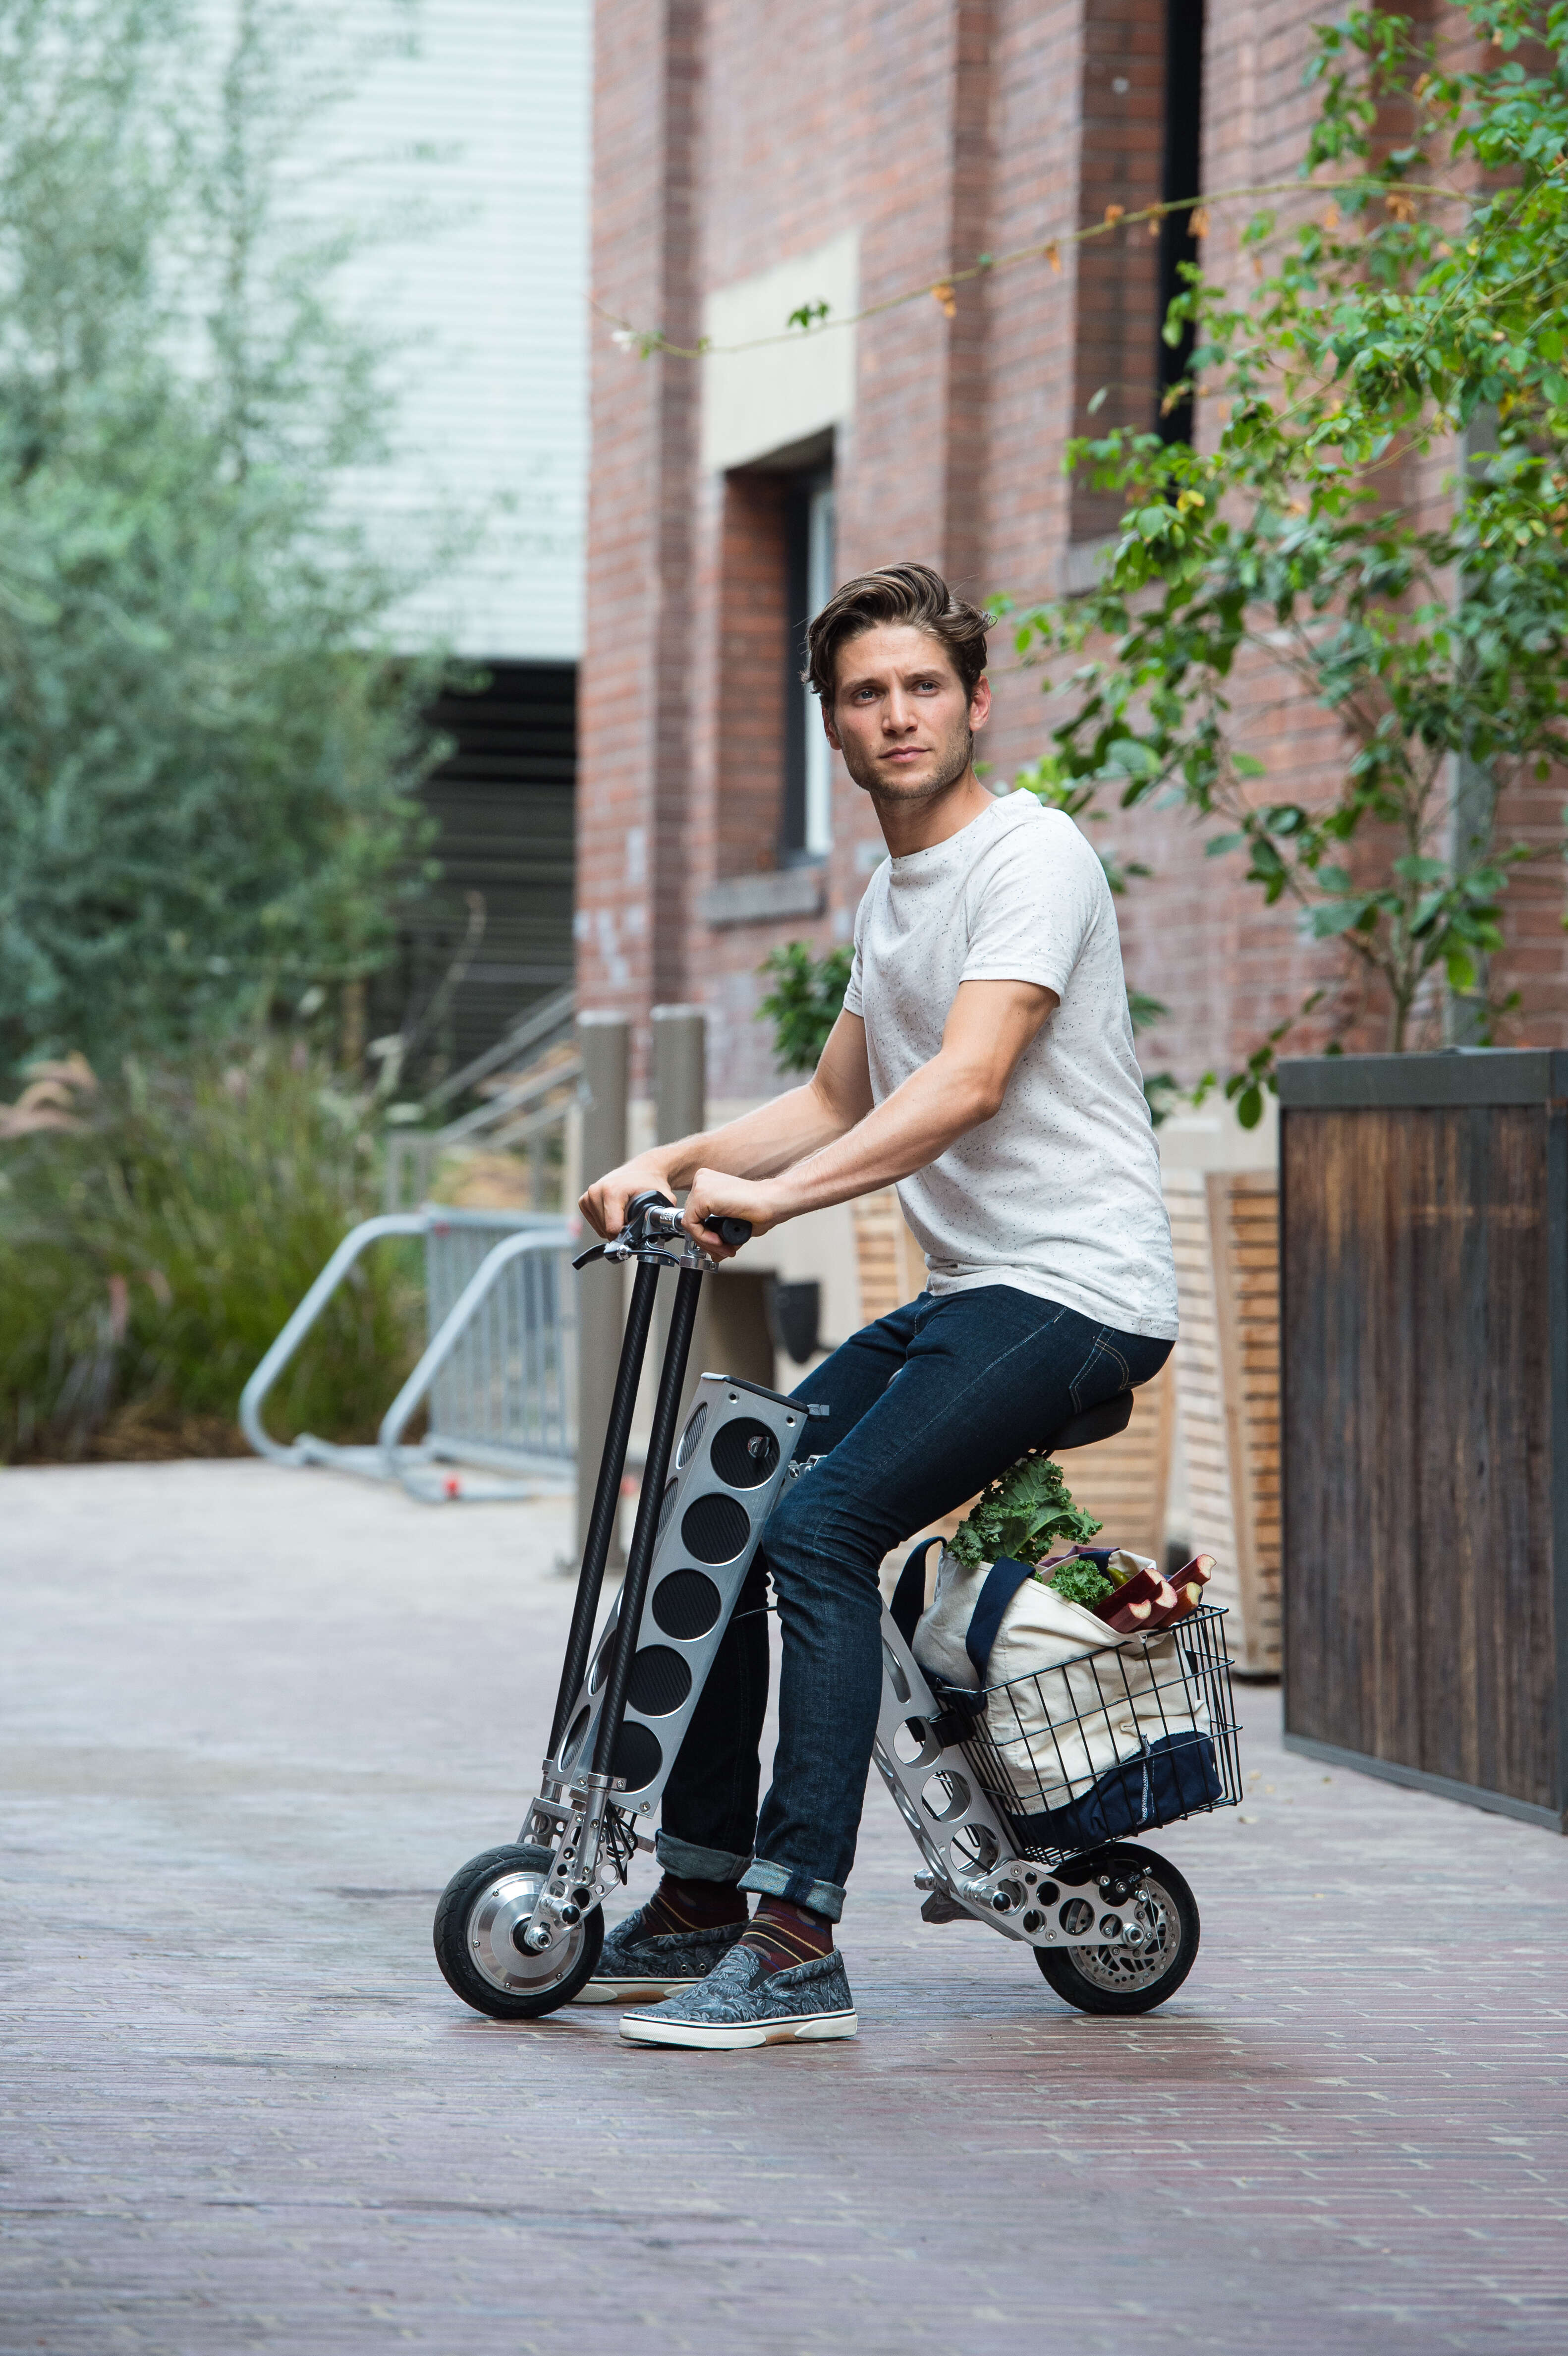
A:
x,y
690,1863
779,1882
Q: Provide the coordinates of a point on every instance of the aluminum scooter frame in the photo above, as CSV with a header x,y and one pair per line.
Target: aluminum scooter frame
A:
x,y
624,1705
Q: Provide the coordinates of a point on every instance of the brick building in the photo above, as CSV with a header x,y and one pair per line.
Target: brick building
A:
x,y
752,160
749,160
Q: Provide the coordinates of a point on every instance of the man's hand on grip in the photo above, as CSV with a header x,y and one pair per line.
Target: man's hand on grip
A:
x,y
603,1204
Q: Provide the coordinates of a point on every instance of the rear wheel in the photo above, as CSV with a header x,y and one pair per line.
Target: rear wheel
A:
x,y
483,1908
1123,1979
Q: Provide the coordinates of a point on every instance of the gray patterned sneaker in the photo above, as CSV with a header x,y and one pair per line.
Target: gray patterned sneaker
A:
x,y
635,1968
743,2003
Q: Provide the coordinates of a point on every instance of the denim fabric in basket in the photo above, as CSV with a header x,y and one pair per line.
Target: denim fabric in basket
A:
x,y
1174,1776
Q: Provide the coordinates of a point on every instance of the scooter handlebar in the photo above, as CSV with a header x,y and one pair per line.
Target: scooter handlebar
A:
x,y
660,1216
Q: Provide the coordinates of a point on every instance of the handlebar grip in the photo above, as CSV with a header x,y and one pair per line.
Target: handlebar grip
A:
x,y
641,1205
732,1232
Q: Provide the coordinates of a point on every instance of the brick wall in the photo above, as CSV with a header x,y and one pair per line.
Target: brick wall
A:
x,y
631,902
729,138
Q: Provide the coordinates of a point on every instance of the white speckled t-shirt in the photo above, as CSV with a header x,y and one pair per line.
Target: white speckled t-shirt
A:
x,y
1059,1192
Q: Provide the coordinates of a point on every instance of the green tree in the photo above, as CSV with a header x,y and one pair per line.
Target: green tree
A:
x,y
1422,309
208,746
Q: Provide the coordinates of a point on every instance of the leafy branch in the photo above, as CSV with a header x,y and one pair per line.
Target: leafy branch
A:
x,y
1436,641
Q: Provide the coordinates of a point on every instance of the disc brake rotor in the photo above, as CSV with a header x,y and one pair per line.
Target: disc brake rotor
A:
x,y
1136,1967
500,1911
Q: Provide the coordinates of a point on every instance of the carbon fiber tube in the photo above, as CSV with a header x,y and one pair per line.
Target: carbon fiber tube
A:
x,y
662,1440
607,1496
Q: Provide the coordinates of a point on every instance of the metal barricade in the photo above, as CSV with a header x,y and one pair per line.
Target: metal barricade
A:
x,y
498,1376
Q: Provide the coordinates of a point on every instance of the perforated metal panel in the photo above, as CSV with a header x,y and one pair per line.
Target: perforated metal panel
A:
x,y
730,1463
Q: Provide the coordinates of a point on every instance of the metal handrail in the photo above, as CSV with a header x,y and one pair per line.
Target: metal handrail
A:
x,y
428,1218
507,1101
369,1231
502,1119
538,1029
445,1340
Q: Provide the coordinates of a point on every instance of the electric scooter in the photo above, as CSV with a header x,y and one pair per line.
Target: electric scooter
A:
x,y
1114,1926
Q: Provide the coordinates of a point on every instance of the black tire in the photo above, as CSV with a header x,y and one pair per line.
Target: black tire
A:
x,y
1114,1979
477,1958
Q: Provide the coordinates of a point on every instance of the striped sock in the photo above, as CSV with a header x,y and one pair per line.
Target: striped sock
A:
x,y
784,1934
678,1905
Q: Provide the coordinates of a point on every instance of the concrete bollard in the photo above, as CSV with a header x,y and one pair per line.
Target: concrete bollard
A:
x,y
680,1106
680,1072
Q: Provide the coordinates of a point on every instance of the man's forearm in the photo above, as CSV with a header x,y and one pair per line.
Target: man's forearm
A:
x,y
759,1144
908,1131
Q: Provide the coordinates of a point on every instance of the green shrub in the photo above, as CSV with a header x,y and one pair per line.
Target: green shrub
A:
x,y
805,1001
155,1235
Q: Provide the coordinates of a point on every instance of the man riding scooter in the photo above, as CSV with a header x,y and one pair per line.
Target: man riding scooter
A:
x,y
984,1064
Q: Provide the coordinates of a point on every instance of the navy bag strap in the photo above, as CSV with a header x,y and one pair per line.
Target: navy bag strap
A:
x,y
909,1595
1003,1581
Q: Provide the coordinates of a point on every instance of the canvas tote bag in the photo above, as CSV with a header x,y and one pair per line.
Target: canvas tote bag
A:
x,y
1102,1699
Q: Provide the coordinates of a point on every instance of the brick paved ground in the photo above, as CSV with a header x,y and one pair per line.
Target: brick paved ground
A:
x,y
253,1718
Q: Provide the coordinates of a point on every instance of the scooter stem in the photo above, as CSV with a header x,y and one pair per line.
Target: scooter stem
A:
x,y
607,1497
662,1440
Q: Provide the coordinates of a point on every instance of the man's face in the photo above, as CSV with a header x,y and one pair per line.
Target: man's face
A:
x,y
900,716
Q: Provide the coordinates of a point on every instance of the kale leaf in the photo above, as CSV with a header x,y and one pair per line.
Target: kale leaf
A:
x,y
1080,1582
1025,1514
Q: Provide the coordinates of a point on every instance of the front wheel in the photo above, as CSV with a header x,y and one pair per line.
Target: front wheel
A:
x,y
1124,1980
484,1906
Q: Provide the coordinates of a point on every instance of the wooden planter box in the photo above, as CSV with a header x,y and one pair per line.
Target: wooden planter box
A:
x,y
1425,1321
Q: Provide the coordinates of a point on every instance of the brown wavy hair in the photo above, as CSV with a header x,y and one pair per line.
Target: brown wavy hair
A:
x,y
896,593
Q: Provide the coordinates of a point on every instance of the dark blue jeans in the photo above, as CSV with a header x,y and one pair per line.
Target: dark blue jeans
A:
x,y
926,1406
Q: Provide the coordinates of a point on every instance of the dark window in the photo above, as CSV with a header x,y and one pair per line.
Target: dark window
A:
x,y
492,935
806,832
1182,177
1122,163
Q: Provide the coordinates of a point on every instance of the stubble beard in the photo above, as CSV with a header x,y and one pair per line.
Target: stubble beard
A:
x,y
953,761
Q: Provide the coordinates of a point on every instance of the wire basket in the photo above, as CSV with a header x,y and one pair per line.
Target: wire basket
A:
x,y
1110,1742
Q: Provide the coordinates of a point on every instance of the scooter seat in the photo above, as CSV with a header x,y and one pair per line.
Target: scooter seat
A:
x,y
1101,1422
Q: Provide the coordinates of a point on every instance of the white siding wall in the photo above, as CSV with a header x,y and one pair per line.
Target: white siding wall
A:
x,y
483,128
